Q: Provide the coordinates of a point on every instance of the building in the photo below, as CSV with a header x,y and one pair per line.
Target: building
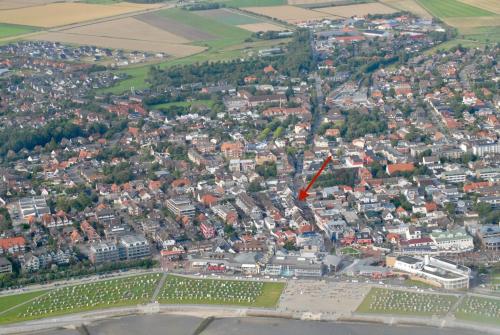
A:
x,y
489,236
12,245
248,206
133,247
207,230
482,148
181,207
294,266
453,240
433,270
5,265
33,206
455,176
226,212
102,252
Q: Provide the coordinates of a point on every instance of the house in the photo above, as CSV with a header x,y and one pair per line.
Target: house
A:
x,y
399,167
12,245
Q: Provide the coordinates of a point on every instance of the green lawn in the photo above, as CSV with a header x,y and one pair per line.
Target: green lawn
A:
x,y
86,297
184,290
385,301
452,8
10,301
8,30
208,103
478,309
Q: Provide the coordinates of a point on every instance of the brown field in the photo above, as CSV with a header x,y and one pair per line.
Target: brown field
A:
x,y
172,49
257,27
490,5
60,14
408,6
127,29
290,14
473,22
357,10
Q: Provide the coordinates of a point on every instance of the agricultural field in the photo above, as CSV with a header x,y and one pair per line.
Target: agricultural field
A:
x,y
478,309
60,14
184,290
250,3
479,23
12,4
408,6
128,34
9,30
290,14
452,8
489,5
385,301
357,10
264,26
85,297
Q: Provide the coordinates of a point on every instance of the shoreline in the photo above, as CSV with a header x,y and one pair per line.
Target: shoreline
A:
x,y
74,321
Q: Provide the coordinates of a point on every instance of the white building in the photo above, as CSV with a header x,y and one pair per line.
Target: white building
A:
x,y
453,240
443,272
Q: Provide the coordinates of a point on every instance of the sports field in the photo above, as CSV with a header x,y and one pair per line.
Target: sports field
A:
x,y
452,8
385,301
184,290
79,298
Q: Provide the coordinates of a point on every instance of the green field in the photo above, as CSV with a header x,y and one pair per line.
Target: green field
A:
x,y
9,301
85,297
208,103
228,16
478,309
385,301
8,30
452,8
184,290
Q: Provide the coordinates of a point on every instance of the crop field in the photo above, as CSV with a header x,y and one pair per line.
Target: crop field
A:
x,y
357,10
251,3
84,297
183,290
408,6
128,34
12,4
264,26
228,16
385,301
290,14
8,30
479,310
60,14
489,5
452,8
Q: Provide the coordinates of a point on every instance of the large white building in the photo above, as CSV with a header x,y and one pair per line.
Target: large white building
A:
x,y
456,240
441,271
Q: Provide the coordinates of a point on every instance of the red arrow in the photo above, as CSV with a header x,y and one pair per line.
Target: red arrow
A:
x,y
303,192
